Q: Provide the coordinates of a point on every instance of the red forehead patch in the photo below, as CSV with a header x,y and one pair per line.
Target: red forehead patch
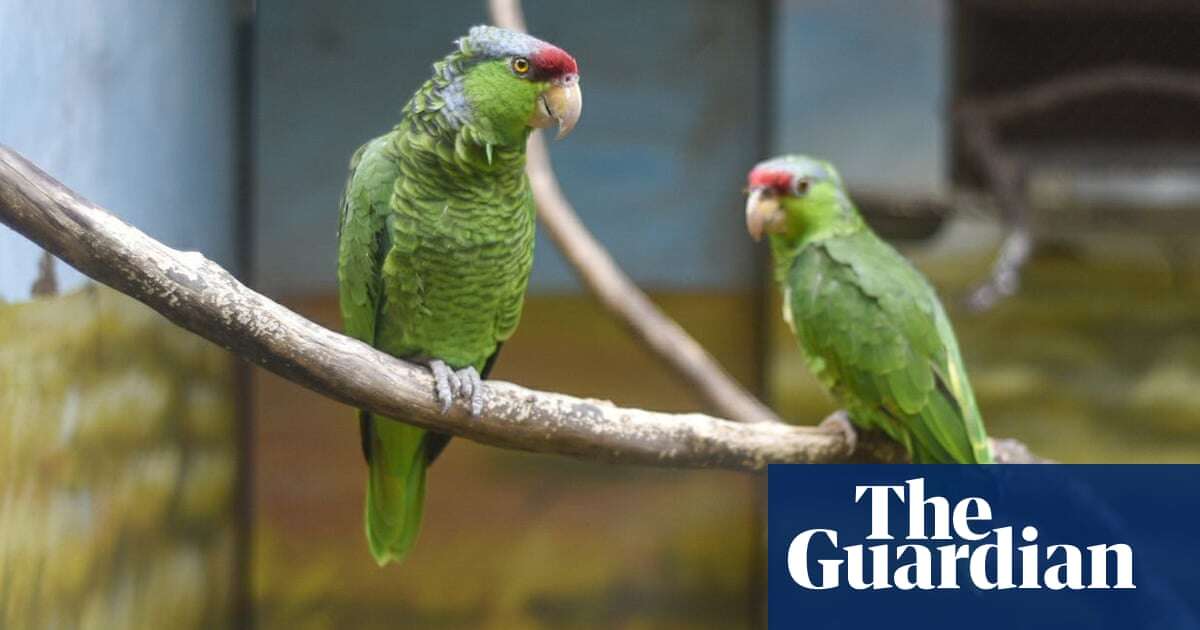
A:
x,y
763,178
554,62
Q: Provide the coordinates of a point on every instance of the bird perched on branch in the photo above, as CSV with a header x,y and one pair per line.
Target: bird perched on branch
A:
x,y
870,326
435,244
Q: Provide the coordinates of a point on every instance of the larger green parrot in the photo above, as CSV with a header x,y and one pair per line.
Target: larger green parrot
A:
x,y
435,244
870,326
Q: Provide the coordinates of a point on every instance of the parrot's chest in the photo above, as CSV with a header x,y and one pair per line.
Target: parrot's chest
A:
x,y
476,274
459,291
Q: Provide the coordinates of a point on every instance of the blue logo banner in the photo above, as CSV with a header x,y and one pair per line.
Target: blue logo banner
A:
x,y
1049,546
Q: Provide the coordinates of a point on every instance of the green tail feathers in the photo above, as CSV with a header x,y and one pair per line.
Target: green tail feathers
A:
x,y
396,460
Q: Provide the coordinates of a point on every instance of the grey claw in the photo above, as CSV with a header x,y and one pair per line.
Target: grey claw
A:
x,y
840,421
464,383
477,401
441,379
472,388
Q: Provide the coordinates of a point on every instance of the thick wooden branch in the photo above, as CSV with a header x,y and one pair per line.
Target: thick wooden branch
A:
x,y
615,290
199,295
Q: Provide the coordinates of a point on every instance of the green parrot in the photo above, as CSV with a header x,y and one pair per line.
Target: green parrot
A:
x,y
435,244
870,326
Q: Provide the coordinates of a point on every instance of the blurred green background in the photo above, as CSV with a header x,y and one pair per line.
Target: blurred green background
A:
x,y
148,482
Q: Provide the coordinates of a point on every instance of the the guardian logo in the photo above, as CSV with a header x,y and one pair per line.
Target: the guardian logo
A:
x,y
976,554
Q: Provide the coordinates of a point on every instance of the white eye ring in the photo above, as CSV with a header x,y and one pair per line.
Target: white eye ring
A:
x,y
520,66
800,186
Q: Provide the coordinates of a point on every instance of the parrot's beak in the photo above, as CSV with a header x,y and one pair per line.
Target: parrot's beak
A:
x,y
763,214
561,104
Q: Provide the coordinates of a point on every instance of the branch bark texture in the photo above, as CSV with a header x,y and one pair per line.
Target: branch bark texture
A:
x,y
200,296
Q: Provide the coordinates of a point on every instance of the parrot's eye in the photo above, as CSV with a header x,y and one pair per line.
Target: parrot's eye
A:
x,y
800,187
520,65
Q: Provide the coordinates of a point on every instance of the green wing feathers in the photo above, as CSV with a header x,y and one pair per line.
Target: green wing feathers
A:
x,y
362,241
960,387
394,451
874,332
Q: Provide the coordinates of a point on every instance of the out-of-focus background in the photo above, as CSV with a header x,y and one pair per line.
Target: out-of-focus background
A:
x,y
147,481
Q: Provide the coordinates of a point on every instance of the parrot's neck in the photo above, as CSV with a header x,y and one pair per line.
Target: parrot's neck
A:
x,y
430,148
451,153
461,146
440,108
814,223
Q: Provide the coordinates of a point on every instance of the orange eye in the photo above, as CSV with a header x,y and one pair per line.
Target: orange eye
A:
x,y
520,65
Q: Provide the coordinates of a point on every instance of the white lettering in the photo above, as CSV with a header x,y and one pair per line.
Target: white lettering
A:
x,y
797,561
1004,562
989,566
1099,559
879,508
963,517
916,512
855,575
1055,577
915,574
1029,558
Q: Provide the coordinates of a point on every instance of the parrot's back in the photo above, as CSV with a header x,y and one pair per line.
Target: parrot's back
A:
x,y
873,331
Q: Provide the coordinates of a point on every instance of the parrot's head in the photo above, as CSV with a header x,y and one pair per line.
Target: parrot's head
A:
x,y
791,194
502,83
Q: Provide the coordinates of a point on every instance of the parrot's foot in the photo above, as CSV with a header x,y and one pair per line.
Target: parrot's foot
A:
x,y
839,421
464,383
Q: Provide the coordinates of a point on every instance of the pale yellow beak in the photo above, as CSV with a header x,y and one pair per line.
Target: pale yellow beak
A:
x,y
763,214
560,105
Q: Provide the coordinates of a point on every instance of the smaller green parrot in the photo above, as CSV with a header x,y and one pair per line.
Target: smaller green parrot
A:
x,y
870,326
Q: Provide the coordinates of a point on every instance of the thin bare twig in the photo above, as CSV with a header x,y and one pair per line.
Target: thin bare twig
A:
x,y
200,296
46,283
979,119
613,288
1005,176
1051,93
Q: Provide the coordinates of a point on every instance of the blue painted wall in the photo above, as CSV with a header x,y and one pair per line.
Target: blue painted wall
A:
x,y
861,82
129,102
655,166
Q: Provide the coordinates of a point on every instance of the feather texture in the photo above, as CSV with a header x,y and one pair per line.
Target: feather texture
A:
x,y
435,249
873,331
